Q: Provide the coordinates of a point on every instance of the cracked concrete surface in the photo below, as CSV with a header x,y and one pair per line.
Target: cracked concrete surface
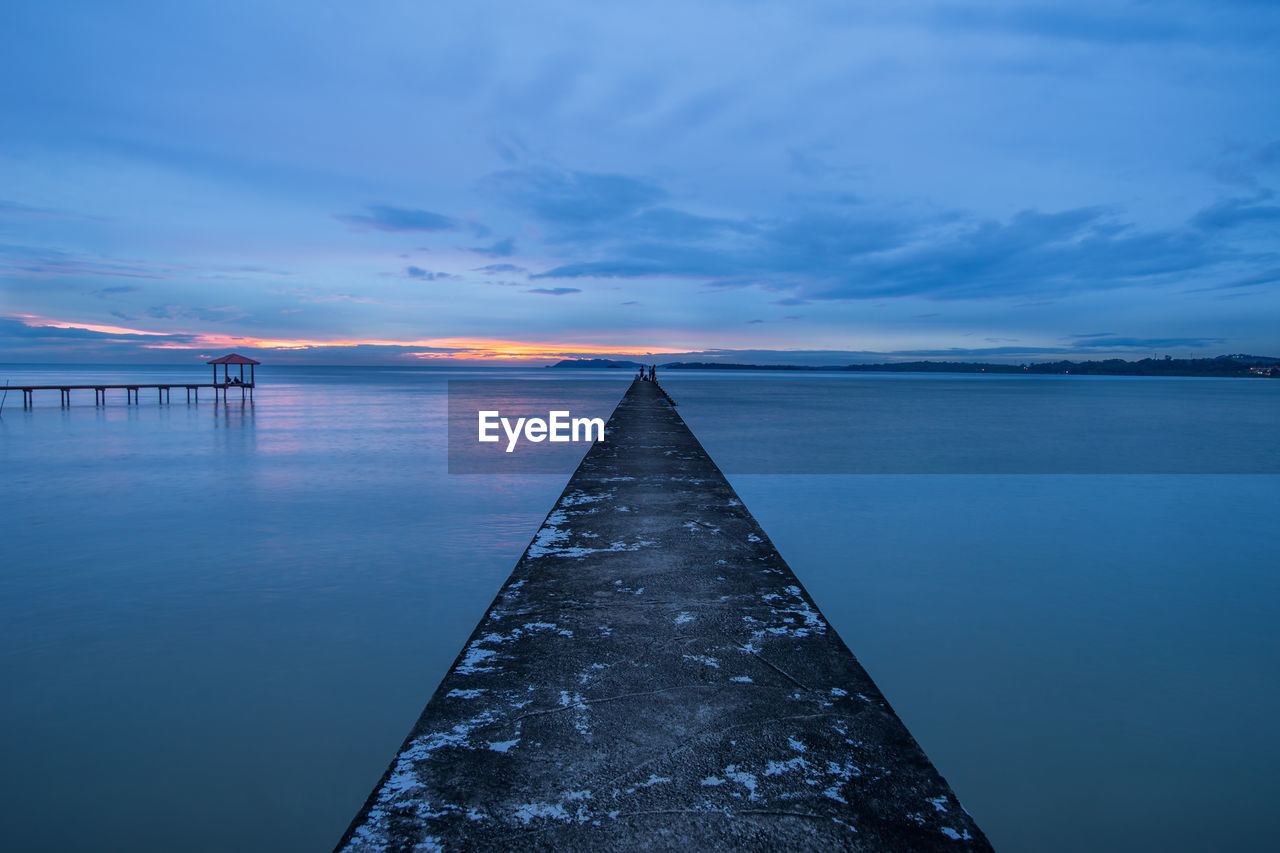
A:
x,y
653,676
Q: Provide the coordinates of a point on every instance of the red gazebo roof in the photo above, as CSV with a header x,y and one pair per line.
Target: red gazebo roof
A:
x,y
234,358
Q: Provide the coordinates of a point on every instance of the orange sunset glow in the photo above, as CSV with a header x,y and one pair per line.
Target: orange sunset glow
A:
x,y
478,349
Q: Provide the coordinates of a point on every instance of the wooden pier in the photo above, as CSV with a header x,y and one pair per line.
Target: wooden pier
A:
x,y
133,390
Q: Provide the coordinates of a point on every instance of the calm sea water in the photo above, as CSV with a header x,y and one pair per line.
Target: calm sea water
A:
x,y
217,623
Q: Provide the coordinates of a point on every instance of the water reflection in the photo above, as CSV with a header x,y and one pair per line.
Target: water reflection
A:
x,y
234,414
303,565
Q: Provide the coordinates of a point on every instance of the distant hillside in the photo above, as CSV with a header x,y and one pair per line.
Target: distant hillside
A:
x,y
596,363
1223,365
716,365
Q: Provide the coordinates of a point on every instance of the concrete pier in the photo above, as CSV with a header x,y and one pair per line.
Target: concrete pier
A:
x,y
653,676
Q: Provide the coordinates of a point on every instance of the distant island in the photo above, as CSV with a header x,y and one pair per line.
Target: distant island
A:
x,y
1223,365
597,363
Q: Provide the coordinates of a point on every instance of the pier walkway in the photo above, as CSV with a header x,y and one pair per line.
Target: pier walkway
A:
x,y
131,391
653,676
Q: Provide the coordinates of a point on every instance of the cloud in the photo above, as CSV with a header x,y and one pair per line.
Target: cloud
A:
x,y
1247,166
808,164
1268,155
589,208
55,263
1033,252
1080,346
554,291
852,254
220,314
1235,212
427,275
510,147
1108,341
11,208
501,249
385,218
500,269
575,198
319,295
665,223
1107,24
104,292
41,330
1270,276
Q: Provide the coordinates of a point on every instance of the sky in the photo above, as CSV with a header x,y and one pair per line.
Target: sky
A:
x,y
516,182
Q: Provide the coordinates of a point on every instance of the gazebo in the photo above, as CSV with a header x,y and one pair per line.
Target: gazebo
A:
x,y
226,361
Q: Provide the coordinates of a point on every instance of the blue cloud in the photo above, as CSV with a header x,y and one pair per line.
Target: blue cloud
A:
x,y
663,262
1248,166
850,255
1107,341
43,262
500,269
427,275
1108,24
575,198
104,292
1264,277
501,249
665,223
1235,212
11,208
554,291
1031,253
12,328
205,314
385,218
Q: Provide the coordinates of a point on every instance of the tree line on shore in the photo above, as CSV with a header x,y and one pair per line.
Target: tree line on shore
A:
x,y
1223,365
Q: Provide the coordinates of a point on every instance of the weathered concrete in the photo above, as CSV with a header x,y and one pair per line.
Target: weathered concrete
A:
x,y
653,676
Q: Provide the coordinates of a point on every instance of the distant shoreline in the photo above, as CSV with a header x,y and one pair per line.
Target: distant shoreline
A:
x,y
1223,366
